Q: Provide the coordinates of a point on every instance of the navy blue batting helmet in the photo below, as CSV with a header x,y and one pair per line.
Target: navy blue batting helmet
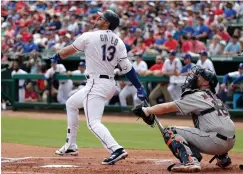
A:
x,y
110,17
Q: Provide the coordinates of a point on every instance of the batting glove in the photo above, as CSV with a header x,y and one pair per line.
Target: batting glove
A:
x,y
141,93
55,58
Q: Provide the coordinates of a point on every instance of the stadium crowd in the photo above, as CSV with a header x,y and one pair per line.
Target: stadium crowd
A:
x,y
159,28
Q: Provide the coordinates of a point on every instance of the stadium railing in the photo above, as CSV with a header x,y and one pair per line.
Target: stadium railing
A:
x,y
12,93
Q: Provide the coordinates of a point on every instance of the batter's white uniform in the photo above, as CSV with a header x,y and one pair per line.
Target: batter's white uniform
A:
x,y
103,51
129,89
175,84
21,84
65,86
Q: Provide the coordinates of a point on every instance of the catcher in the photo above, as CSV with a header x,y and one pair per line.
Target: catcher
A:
x,y
214,131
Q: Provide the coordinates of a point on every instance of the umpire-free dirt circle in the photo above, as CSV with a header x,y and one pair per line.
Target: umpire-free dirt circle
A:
x,y
25,159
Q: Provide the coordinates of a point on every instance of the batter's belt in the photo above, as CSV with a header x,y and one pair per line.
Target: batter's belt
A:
x,y
102,77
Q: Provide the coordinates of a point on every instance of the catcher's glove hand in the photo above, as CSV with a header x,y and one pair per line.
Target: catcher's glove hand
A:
x,y
138,111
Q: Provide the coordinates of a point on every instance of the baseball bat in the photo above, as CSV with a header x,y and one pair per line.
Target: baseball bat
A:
x,y
161,128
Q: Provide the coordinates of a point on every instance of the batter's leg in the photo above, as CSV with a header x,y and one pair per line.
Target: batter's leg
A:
x,y
72,106
94,107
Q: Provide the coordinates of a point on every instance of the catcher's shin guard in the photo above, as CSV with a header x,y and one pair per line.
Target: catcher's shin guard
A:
x,y
178,145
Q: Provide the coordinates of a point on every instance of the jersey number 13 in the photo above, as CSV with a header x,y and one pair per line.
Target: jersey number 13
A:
x,y
111,50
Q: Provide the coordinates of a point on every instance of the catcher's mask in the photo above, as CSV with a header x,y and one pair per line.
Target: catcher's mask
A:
x,y
207,74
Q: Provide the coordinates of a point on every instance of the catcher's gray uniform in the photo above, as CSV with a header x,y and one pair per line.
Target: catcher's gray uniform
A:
x,y
214,131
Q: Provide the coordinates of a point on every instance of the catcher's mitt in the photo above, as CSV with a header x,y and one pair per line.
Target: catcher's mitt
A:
x,y
137,110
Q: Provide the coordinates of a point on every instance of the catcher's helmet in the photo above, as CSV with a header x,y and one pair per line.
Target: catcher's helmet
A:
x,y
111,17
207,74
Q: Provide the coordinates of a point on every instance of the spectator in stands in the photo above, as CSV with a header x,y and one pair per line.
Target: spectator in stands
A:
x,y
229,12
170,44
213,30
171,66
233,47
222,33
170,30
138,48
55,24
129,90
227,90
187,59
188,27
203,30
180,30
185,44
222,45
241,45
205,62
73,24
214,47
150,40
156,48
30,46
21,85
34,63
131,37
237,32
159,61
196,46
161,87
30,94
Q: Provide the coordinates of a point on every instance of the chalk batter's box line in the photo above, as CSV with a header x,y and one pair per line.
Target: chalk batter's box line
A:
x,y
6,159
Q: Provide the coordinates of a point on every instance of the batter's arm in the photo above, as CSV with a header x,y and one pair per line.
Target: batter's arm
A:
x,y
67,51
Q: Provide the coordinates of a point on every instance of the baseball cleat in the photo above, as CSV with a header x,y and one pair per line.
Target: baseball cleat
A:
x,y
224,162
118,155
186,168
68,150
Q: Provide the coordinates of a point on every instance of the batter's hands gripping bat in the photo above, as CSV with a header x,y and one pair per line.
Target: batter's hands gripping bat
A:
x,y
161,128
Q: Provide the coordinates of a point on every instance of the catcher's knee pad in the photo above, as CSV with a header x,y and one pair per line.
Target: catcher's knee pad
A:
x,y
176,144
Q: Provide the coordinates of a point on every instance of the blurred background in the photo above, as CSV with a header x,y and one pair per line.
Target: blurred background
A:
x,y
153,31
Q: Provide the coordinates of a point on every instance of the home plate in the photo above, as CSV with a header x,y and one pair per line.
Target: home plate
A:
x,y
59,166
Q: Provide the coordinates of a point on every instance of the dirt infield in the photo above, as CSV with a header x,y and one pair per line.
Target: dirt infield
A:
x,y
17,158
29,159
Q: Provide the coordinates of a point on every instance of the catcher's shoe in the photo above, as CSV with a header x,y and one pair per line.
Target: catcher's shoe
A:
x,y
191,167
119,154
68,149
224,161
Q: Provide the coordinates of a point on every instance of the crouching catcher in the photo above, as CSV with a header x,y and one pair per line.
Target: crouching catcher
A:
x,y
214,131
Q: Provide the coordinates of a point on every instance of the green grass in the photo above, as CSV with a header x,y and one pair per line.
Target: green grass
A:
x,y
52,133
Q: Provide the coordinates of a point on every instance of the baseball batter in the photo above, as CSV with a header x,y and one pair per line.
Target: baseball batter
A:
x,y
214,131
103,51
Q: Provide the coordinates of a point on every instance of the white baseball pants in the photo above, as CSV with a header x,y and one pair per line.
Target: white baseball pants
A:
x,y
92,98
